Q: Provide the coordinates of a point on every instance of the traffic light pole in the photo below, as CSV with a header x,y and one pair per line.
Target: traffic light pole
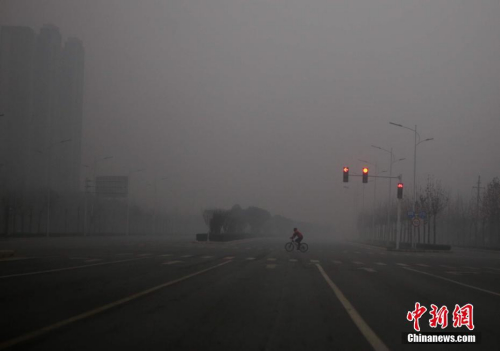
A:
x,y
398,225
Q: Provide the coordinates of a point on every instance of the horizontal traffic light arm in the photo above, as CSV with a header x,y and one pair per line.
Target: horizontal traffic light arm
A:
x,y
372,176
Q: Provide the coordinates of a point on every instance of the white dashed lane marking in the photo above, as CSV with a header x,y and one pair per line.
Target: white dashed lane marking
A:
x,y
292,260
187,256
422,265
381,263
250,258
337,262
171,262
402,264
271,259
357,262
229,257
207,256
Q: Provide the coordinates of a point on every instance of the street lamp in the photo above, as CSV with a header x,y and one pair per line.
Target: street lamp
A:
x,y
414,159
128,198
155,181
49,166
93,171
392,161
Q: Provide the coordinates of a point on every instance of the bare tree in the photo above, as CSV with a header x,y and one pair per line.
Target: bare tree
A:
x,y
490,210
438,198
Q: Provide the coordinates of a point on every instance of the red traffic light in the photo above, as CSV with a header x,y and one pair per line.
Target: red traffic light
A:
x,y
346,174
400,191
365,175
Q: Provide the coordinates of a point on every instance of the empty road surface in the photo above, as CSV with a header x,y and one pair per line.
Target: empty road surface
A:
x,y
176,294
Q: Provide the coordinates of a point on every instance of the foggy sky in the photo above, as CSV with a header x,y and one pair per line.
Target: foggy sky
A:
x,y
261,102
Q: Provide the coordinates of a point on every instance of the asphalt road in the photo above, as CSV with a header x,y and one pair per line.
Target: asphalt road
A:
x,y
175,294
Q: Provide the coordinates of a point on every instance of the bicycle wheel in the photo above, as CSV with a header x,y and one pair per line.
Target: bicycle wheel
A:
x,y
304,247
289,246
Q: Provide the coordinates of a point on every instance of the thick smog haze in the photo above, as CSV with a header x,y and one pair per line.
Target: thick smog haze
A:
x,y
263,102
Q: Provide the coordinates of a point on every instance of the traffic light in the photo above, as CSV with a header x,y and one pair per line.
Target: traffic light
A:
x,y
400,190
365,174
346,174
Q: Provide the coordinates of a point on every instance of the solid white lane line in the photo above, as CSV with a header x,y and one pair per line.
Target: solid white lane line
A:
x,y
364,328
71,268
228,258
39,332
454,281
171,262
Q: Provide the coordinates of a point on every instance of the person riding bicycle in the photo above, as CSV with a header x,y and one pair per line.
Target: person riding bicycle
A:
x,y
299,236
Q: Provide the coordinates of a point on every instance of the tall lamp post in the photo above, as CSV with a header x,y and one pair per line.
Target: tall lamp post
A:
x,y
49,173
128,198
154,185
392,161
414,159
93,173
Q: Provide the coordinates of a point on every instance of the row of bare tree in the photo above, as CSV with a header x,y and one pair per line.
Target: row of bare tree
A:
x,y
448,219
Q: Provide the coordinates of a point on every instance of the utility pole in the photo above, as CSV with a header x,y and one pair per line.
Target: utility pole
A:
x,y
476,219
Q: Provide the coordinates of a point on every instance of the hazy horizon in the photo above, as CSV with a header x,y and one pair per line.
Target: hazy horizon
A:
x,y
262,103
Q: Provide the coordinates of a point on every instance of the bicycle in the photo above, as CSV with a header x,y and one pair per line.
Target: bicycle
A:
x,y
293,244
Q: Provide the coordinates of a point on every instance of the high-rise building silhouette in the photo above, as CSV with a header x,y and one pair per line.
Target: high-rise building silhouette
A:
x,y
41,98
69,119
17,46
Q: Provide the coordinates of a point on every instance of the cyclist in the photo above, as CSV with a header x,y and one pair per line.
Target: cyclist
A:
x,y
299,236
